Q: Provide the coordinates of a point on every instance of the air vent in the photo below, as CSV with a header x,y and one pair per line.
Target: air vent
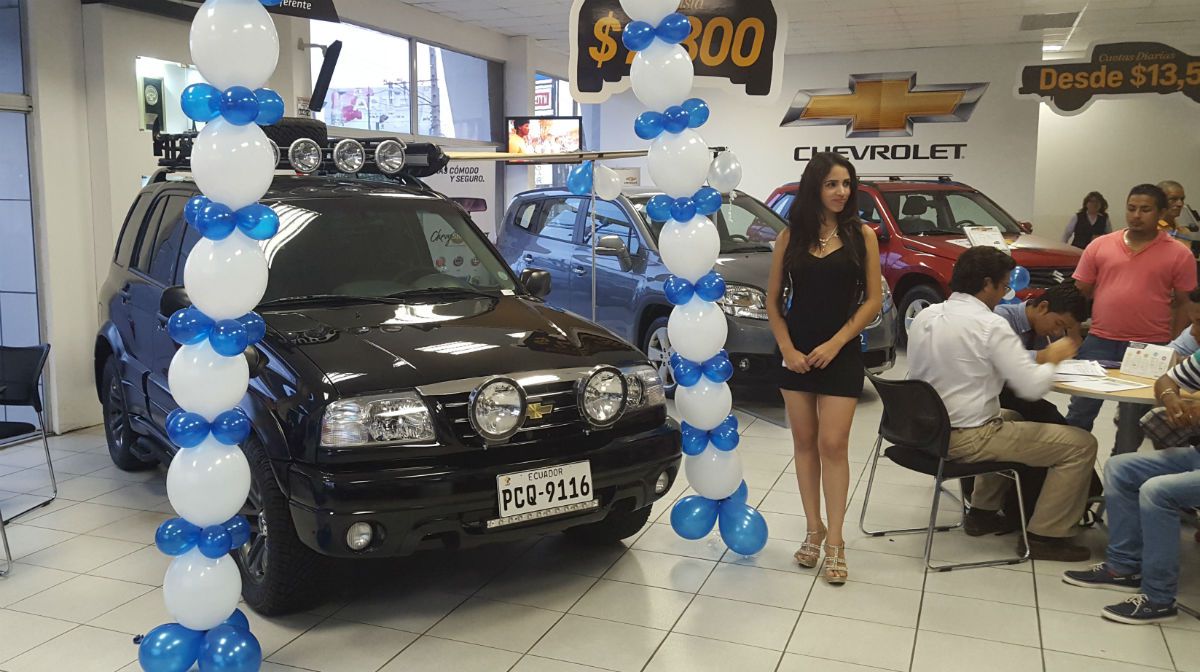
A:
x,y
1048,21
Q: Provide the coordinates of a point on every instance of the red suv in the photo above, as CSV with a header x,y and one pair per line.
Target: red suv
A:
x,y
920,227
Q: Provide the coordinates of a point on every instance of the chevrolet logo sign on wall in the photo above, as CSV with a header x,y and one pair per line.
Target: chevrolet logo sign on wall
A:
x,y
884,105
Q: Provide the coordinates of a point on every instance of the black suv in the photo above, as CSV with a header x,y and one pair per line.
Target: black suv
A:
x,y
411,391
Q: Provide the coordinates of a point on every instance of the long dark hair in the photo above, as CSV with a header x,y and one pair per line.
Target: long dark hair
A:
x,y
1094,195
804,219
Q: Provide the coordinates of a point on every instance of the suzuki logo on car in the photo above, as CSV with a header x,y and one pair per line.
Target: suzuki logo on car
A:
x,y
538,411
882,105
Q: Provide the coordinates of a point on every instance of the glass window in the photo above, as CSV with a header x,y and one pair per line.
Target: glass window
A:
x,y
611,221
867,210
370,87
167,241
945,212
12,79
744,223
524,218
452,95
147,235
558,219
783,206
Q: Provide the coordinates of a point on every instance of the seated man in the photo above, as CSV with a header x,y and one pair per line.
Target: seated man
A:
x,y
968,353
1187,342
1145,493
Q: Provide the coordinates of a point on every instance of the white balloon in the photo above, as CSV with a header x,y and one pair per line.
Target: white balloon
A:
x,y
607,183
726,172
226,279
715,474
698,330
704,405
207,485
650,11
234,43
233,165
679,163
662,75
690,249
205,382
200,592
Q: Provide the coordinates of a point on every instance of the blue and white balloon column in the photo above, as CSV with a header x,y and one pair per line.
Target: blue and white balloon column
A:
x,y
235,46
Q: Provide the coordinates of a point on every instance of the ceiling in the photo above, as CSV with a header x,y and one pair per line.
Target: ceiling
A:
x,y
825,26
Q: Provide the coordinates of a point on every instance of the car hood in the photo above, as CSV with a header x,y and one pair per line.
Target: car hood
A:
x,y
745,268
1027,250
373,348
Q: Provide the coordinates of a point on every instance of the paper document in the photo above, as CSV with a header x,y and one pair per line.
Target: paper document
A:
x,y
1079,368
984,236
1106,385
1146,361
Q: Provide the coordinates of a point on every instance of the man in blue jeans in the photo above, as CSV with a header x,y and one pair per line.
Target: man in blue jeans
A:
x,y
1144,494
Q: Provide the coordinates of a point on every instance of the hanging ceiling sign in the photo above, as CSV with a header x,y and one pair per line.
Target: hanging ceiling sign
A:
x,y
735,44
1119,69
319,10
185,10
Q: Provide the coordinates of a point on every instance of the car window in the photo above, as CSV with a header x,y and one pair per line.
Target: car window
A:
x,y
131,229
611,221
783,206
945,213
164,255
145,245
558,218
524,217
744,223
867,209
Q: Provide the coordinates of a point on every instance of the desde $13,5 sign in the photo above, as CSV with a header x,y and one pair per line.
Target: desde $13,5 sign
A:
x,y
735,44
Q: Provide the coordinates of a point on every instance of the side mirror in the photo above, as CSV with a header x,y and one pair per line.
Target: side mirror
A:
x,y
255,360
881,231
536,282
613,246
173,299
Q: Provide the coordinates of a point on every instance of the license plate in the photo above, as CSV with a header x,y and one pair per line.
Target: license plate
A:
x,y
560,486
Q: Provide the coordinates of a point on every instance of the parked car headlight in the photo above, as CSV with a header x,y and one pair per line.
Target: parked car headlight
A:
x,y
887,296
602,396
645,389
497,409
744,301
366,421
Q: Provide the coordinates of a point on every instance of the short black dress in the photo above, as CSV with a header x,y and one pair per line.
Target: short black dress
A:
x,y
825,294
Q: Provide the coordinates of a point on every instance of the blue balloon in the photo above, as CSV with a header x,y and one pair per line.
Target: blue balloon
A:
x,y
229,338
229,649
693,516
231,427
216,221
256,328
674,359
719,370
270,107
698,112
683,209
743,528
189,326
711,287
648,125
725,438
707,200
678,290
257,221
176,536
238,620
186,430
215,541
659,207
687,373
1012,301
638,35
239,531
239,105
1019,279
694,440
271,3
674,29
579,180
675,119
169,648
195,205
739,496
201,102
732,420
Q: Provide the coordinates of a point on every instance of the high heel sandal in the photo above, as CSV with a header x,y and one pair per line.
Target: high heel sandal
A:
x,y
835,569
810,551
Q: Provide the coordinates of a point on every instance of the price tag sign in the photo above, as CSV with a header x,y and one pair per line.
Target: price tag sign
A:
x,y
735,44
1120,69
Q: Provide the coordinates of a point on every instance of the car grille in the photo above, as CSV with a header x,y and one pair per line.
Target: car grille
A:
x,y
563,422
1042,278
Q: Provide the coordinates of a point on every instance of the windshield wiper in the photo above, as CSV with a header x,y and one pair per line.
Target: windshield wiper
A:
x,y
325,298
744,247
440,291
938,232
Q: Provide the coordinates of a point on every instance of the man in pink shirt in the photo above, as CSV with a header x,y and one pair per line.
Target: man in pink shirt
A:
x,y
1138,279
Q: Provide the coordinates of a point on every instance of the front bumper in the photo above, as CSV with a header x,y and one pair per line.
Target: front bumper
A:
x,y
413,508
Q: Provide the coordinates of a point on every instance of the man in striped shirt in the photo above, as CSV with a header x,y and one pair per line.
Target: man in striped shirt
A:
x,y
1144,493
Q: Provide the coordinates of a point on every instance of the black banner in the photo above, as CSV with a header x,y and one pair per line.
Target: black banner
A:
x,y
321,10
733,40
185,10
1123,68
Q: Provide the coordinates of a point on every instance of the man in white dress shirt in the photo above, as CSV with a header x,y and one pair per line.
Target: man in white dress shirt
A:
x,y
968,354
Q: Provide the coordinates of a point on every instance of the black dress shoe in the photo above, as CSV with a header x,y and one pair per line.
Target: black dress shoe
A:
x,y
979,522
1054,550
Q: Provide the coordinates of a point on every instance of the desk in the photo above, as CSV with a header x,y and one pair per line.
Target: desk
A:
x,y
1141,395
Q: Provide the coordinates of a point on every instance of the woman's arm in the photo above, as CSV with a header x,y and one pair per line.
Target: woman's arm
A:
x,y
866,313
792,358
1070,232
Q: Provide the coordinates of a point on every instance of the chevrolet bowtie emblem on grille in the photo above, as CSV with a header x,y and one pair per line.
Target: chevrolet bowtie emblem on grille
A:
x,y
884,105
539,411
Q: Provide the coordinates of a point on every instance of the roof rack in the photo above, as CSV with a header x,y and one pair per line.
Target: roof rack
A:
x,y
899,177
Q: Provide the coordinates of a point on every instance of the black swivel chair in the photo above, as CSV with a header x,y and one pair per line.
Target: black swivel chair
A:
x,y
916,424
20,370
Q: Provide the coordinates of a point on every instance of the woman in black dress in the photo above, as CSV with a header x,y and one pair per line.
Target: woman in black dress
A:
x,y
829,262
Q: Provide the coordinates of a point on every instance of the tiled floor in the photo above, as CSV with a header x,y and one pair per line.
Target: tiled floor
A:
x,y
88,578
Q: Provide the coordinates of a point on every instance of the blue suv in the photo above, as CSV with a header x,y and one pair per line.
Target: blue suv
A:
x,y
550,230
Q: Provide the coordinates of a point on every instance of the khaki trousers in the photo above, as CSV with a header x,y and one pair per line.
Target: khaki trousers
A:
x,y
1069,452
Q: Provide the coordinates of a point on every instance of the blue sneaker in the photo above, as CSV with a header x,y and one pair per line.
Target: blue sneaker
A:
x,y
1100,576
1139,610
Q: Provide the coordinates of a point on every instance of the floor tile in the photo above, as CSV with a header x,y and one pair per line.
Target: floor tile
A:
x,y
147,566
81,464
832,638
501,625
86,487
430,653
140,527
633,604
785,526
887,570
28,580
1054,594
1057,661
766,430
25,540
939,652
278,631
341,646
1185,648
778,554
696,654
149,475
82,553
738,622
968,617
661,570
760,586
140,496
539,664
33,505
81,599
23,632
561,555
795,663
768,445
534,587
662,539
406,608
137,616
987,583
604,644
1095,637
84,649
83,517
783,502
866,602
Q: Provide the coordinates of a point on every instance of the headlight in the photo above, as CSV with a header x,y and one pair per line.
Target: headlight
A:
x,y
743,301
366,421
645,390
497,409
305,155
887,296
389,156
349,155
602,396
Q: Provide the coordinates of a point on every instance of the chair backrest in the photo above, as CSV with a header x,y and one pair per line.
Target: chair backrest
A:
x,y
20,370
913,415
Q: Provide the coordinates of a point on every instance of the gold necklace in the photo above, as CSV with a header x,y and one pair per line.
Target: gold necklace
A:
x,y
822,242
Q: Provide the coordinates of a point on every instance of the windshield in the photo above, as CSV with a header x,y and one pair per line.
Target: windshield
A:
x,y
745,224
377,246
946,212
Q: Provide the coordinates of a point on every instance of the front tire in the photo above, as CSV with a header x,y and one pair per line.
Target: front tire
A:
x,y
915,300
656,344
117,431
617,526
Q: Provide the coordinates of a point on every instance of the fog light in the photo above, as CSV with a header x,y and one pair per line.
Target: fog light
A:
x,y
743,364
663,482
359,536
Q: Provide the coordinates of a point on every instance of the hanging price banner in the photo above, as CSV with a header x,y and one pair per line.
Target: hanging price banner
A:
x,y
735,44
1113,70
